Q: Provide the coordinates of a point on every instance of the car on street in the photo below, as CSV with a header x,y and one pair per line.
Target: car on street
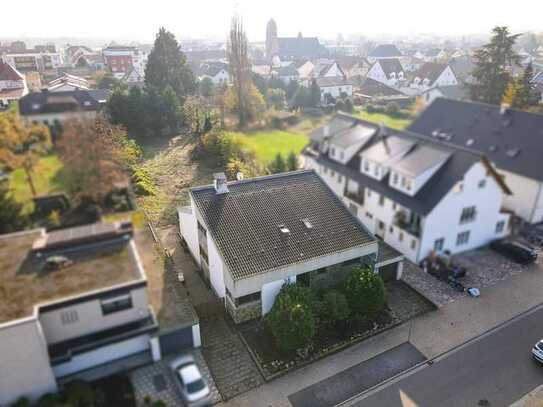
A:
x,y
537,351
189,381
515,250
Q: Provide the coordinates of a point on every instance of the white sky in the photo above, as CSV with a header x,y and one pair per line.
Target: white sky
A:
x,y
139,20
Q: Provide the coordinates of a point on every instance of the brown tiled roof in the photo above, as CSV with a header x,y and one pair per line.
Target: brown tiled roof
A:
x,y
9,73
245,222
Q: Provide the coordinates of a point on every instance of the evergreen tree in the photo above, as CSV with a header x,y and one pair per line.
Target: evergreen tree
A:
x,y
315,94
292,161
291,89
11,217
493,63
167,66
278,164
206,87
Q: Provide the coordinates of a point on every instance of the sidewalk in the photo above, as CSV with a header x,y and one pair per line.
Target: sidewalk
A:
x,y
532,399
432,334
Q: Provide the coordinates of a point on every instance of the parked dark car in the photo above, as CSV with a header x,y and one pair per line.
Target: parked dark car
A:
x,y
515,250
533,233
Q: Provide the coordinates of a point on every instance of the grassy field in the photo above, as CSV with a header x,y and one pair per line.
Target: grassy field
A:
x,y
266,144
45,179
392,122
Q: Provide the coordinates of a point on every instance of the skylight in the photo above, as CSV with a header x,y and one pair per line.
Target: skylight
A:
x,y
307,223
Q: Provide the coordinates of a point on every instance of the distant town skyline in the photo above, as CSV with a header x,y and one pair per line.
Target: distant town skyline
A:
x,y
211,18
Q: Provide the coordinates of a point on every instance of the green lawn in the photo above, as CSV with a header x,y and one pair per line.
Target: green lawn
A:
x,y
392,122
45,178
266,144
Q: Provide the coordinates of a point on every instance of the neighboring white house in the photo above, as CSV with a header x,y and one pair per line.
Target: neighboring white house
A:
x,y
388,71
216,71
56,323
34,61
456,92
334,86
250,237
304,67
511,139
12,84
326,68
417,194
431,75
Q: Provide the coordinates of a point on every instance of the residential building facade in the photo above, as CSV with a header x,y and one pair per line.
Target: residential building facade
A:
x,y
418,195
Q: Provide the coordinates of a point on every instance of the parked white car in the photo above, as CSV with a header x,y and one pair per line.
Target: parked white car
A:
x,y
537,351
190,382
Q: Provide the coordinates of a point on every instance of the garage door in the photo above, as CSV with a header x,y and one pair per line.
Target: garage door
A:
x,y
176,341
102,355
388,272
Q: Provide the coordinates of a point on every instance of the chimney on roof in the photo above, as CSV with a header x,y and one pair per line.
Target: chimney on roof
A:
x,y
219,181
504,108
326,131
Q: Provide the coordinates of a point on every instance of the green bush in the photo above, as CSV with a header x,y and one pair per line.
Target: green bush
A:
x,y
365,292
79,394
291,318
143,184
334,308
21,402
340,105
392,109
158,403
349,108
50,400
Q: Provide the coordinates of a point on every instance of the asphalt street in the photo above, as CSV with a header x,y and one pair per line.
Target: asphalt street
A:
x,y
336,388
493,371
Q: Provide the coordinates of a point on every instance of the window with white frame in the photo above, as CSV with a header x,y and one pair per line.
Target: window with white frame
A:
x,y
500,226
438,244
69,317
462,238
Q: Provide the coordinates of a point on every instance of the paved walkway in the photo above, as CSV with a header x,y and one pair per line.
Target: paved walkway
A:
x,y
433,333
532,399
230,363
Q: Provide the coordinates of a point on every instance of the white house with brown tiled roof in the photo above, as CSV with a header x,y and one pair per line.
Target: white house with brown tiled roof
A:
x,y
12,84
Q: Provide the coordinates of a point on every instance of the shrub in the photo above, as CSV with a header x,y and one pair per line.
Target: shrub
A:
x,y
21,402
291,318
349,106
143,184
79,394
392,109
292,161
334,308
340,105
158,403
278,165
365,292
50,400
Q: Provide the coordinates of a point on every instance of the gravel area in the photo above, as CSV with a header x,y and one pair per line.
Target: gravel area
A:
x,y
484,269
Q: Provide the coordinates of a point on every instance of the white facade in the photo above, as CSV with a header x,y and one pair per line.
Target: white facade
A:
x,y
378,213
377,73
336,91
221,77
446,78
527,198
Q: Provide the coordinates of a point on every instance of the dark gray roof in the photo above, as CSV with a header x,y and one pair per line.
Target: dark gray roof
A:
x,y
301,47
390,148
371,87
433,52
452,171
420,159
325,81
338,124
385,51
359,133
513,141
391,65
100,95
289,70
387,253
245,222
462,66
213,68
430,70
57,102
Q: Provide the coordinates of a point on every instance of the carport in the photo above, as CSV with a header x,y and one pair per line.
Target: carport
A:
x,y
389,263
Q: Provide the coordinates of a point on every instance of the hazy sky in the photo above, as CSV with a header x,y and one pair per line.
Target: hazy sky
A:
x,y
210,18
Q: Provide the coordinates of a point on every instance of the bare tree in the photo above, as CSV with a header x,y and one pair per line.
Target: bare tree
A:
x,y
239,66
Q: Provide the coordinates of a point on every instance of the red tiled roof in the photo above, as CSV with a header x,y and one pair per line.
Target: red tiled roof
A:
x,y
8,73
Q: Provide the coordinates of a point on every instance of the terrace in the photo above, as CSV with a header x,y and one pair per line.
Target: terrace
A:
x,y
24,282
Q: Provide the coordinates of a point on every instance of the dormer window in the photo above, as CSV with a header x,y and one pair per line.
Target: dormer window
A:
x,y
394,178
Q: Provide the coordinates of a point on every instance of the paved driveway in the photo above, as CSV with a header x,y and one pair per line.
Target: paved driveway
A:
x,y
358,378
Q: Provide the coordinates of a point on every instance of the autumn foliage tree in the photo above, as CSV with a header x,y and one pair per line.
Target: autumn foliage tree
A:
x,y
95,157
21,146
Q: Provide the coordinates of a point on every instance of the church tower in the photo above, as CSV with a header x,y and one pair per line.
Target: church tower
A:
x,y
272,44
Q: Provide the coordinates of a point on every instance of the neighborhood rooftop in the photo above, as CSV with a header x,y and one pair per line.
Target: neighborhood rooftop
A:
x,y
102,260
266,223
511,139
